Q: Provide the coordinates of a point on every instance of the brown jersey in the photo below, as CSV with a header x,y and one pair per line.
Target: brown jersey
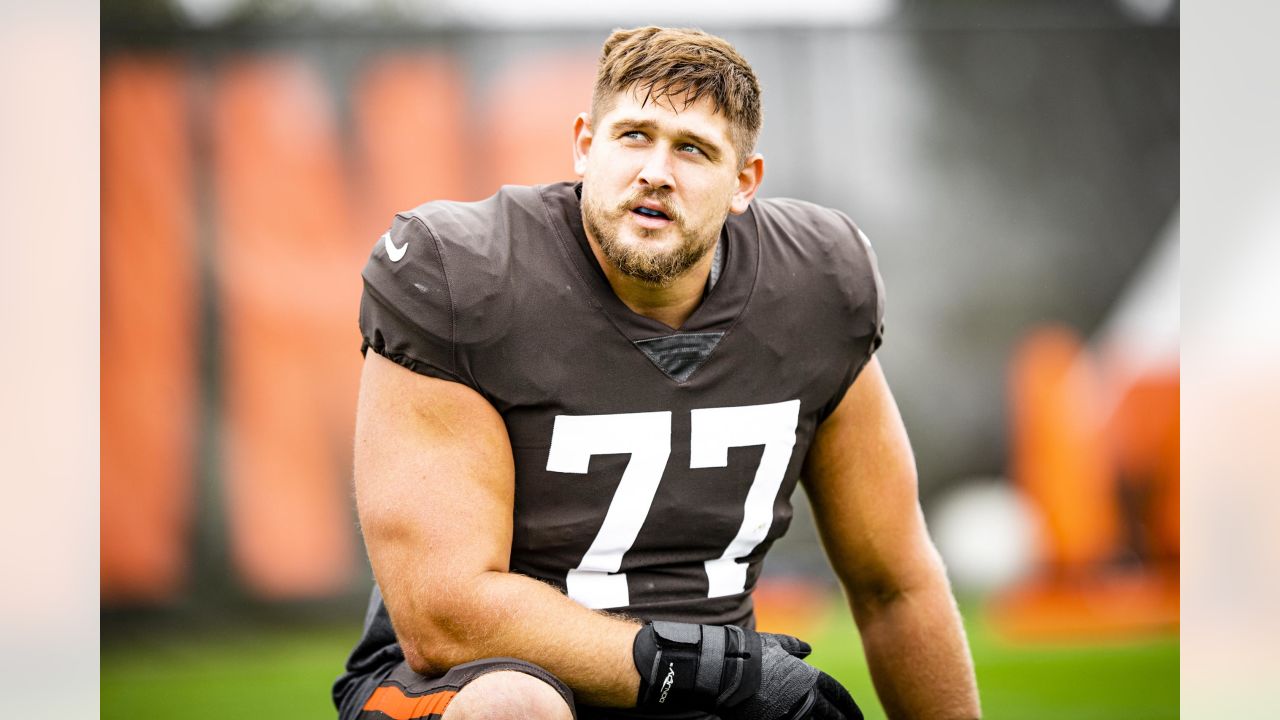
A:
x,y
653,467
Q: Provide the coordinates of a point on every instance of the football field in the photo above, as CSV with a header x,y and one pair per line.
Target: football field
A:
x,y
280,672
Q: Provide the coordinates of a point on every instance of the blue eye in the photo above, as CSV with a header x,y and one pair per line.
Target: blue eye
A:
x,y
691,149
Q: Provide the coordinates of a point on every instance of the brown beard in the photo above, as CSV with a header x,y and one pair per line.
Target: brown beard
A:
x,y
655,268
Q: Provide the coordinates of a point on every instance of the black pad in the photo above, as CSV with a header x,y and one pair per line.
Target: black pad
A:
x,y
680,355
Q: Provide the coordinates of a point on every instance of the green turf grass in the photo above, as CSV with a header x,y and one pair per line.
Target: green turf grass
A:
x,y
1124,680
242,673
284,673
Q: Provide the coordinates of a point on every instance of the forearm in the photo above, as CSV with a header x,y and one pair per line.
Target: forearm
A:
x,y
435,486
498,614
916,649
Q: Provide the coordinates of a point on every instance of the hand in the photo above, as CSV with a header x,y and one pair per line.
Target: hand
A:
x,y
786,681
735,673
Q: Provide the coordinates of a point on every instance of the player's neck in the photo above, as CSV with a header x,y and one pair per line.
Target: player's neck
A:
x,y
670,304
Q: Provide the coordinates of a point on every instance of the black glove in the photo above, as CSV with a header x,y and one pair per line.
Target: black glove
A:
x,y
734,673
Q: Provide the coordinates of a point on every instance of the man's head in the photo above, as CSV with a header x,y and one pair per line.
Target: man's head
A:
x,y
666,153
677,67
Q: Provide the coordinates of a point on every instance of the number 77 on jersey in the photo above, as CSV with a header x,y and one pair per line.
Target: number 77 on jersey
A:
x,y
646,437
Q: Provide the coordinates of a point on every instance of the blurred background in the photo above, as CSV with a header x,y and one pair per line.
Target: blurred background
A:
x,y
1014,162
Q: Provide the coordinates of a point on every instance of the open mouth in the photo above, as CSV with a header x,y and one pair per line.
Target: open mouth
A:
x,y
650,212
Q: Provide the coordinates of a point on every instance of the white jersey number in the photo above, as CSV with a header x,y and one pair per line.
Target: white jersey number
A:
x,y
596,582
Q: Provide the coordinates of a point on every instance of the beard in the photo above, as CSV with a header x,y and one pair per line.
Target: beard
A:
x,y
653,265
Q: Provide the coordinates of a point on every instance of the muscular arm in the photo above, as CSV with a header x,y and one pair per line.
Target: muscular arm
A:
x,y
861,480
435,491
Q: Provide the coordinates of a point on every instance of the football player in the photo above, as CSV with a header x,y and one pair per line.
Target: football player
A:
x,y
583,411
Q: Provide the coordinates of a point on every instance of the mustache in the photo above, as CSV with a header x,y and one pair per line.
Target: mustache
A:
x,y
661,197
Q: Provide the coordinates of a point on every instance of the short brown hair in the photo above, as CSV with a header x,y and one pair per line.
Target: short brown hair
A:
x,y
681,65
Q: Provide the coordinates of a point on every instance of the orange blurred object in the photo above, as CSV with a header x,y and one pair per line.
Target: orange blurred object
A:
x,y
1145,431
1100,465
289,290
149,339
1089,608
414,144
1059,453
530,102
792,606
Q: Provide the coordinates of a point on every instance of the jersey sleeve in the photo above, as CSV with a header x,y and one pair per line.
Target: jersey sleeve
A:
x,y
407,312
868,297
863,291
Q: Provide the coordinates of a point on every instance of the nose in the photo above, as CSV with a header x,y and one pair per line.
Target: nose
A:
x,y
656,171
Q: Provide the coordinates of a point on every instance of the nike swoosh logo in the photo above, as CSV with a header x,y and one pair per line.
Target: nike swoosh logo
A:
x,y
393,252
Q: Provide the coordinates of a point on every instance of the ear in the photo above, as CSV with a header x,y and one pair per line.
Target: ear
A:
x,y
749,179
582,137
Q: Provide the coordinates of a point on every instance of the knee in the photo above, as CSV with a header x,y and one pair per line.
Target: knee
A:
x,y
507,695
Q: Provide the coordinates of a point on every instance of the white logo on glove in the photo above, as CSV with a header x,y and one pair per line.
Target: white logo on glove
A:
x,y
666,684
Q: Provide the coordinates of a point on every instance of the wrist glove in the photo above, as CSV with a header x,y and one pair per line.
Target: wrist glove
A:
x,y
736,674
